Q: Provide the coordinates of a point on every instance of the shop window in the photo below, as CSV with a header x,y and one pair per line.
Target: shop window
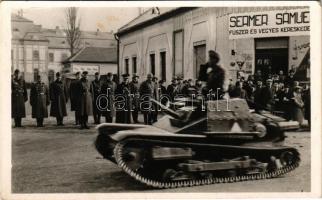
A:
x,y
152,63
126,64
199,57
178,53
134,65
51,57
35,55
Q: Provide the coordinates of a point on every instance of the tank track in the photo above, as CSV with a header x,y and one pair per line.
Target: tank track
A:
x,y
206,181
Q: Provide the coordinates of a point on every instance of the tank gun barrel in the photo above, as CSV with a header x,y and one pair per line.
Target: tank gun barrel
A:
x,y
167,110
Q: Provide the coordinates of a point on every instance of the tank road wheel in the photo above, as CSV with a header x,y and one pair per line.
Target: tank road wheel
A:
x,y
173,175
287,158
134,158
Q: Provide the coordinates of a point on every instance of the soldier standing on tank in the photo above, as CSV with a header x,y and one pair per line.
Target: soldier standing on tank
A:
x,y
18,98
74,97
214,75
96,90
134,88
108,88
85,105
57,93
123,110
39,100
147,92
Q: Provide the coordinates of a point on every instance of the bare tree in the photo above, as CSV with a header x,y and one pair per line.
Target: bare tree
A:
x,y
73,32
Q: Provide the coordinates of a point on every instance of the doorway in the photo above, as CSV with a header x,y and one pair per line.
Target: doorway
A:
x,y
163,65
199,57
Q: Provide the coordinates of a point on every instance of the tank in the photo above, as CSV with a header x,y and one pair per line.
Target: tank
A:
x,y
200,143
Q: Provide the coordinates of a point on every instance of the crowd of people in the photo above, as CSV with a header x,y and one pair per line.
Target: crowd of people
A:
x,y
279,94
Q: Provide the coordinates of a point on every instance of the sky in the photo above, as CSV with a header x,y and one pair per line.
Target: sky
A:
x,y
104,19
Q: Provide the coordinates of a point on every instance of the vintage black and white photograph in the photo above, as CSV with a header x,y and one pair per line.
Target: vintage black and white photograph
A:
x,y
161,99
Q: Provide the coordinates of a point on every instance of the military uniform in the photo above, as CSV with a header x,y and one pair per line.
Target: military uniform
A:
x,y
18,99
57,93
172,91
85,105
147,91
74,99
108,88
134,88
124,115
39,100
96,90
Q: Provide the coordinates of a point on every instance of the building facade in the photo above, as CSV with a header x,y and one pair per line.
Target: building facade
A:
x,y
175,41
40,51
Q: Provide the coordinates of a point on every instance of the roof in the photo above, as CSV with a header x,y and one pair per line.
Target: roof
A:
x,y
151,16
94,55
18,18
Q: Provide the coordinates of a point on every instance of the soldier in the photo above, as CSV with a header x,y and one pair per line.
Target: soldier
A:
x,y
147,91
156,97
108,88
134,88
123,110
18,98
74,97
96,90
85,107
57,93
172,89
214,75
39,100
267,96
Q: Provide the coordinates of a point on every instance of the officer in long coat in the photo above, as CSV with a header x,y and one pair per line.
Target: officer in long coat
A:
x,y
124,105
58,93
18,98
74,97
96,90
85,105
39,100
147,91
134,88
108,88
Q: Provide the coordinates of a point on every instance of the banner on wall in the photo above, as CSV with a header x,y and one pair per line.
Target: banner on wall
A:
x,y
275,23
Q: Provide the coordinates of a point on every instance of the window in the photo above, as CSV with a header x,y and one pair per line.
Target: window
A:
x,y
36,73
152,63
35,55
199,57
64,56
163,65
51,57
134,66
126,64
178,53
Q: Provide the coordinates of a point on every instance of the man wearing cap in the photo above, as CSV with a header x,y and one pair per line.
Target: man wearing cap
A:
x,y
147,91
124,99
134,88
108,88
74,97
39,100
96,90
267,97
57,93
214,75
172,89
18,98
85,105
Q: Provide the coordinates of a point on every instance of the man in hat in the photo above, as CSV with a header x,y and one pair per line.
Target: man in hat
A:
x,y
74,97
18,98
39,100
214,75
172,89
267,96
85,105
96,90
134,88
108,88
147,91
57,93
124,103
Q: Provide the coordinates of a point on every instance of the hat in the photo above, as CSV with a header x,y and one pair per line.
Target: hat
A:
x,y
57,74
109,74
96,73
17,71
135,75
85,72
179,78
149,75
269,80
213,54
125,75
297,87
77,73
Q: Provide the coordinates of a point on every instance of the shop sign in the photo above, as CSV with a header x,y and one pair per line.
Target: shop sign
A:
x,y
269,24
